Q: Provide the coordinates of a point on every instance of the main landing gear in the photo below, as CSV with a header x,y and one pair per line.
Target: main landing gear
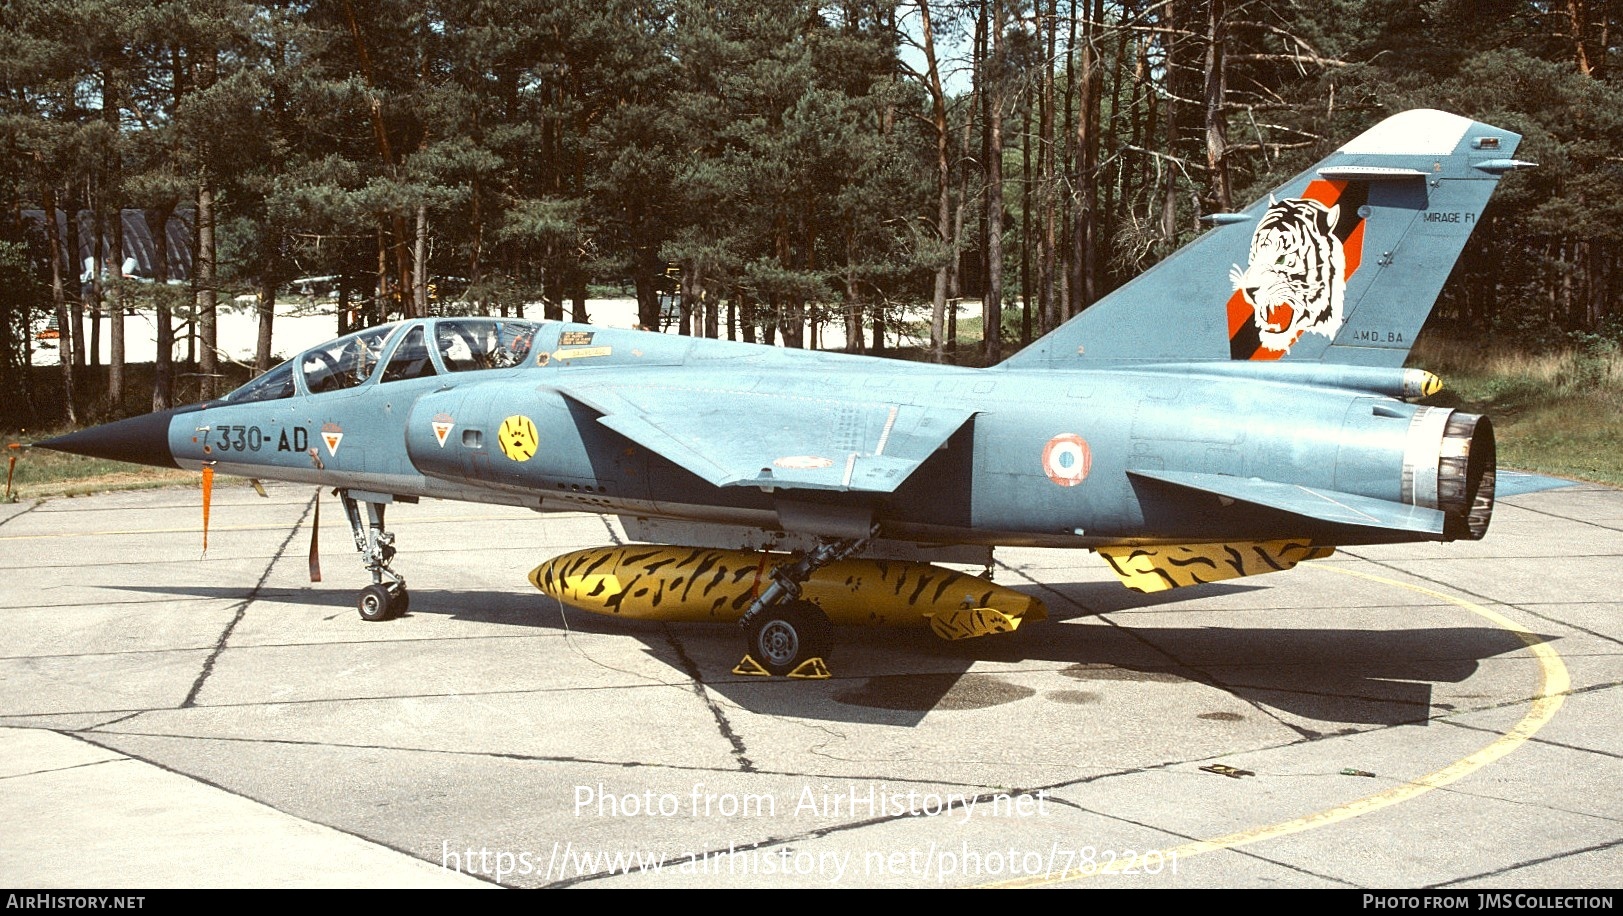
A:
x,y
381,600
784,635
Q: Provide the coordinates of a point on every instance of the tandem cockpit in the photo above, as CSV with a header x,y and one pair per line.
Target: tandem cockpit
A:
x,y
433,352
403,350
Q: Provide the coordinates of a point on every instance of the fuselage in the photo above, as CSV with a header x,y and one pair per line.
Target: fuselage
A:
x,y
1048,458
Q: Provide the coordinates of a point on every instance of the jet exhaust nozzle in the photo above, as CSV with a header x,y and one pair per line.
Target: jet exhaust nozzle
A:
x,y
1449,465
1465,476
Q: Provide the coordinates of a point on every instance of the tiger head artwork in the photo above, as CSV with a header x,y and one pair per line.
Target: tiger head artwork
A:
x,y
1296,277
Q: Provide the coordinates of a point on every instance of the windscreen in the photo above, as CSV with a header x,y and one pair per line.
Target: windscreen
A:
x,y
273,385
345,362
472,344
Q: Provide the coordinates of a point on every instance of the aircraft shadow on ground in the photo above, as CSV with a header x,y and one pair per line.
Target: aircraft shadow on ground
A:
x,y
1340,677
1091,599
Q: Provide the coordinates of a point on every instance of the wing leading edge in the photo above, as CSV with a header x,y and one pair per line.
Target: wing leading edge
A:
x,y
734,438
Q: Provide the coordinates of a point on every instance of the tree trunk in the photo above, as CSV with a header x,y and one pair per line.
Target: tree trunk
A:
x,y
955,280
792,324
1026,184
205,280
943,168
1169,199
115,315
853,297
381,303
205,255
267,320
163,357
419,261
380,134
1046,182
688,297
1216,123
1598,288
73,330
552,306
645,275
1066,202
1576,18
746,316
1599,70
1084,229
115,201
59,300
98,281
476,220
271,266
577,307
992,305
344,316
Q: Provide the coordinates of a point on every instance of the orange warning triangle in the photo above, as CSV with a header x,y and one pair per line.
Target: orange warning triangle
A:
x,y
441,430
332,440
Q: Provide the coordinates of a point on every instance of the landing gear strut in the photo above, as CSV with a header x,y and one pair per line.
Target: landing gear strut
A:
x,y
785,635
381,600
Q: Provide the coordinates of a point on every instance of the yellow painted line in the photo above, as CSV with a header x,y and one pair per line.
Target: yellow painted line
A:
x,y
1556,684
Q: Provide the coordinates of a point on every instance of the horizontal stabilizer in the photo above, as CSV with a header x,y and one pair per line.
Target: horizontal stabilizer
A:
x,y
1163,567
1315,503
736,438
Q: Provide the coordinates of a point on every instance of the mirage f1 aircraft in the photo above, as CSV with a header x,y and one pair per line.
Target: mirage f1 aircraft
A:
x,y
1237,409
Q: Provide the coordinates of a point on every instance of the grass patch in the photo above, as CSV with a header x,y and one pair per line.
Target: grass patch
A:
x,y
41,473
1558,412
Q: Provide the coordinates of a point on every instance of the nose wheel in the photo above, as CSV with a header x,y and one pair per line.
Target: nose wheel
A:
x,y
381,602
386,597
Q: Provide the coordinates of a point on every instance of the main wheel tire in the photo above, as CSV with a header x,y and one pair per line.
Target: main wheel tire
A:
x,y
399,602
375,603
783,638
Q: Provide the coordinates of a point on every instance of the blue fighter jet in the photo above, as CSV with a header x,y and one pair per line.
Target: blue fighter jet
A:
x,y
1237,409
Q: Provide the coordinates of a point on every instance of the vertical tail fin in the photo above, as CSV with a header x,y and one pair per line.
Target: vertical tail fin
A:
x,y
1341,264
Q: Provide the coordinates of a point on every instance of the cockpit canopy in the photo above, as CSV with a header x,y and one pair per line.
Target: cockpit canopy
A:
x,y
419,348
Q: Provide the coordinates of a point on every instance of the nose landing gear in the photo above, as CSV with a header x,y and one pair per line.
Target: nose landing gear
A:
x,y
381,600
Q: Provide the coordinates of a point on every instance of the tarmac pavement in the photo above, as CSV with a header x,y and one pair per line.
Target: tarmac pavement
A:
x,y
1392,717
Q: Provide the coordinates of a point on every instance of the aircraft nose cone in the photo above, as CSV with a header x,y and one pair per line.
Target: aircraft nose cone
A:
x,y
140,440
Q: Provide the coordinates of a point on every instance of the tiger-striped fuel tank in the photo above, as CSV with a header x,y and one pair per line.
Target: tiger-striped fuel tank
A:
x,y
653,582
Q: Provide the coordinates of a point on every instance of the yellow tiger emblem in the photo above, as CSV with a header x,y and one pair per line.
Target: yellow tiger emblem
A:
x,y
1296,277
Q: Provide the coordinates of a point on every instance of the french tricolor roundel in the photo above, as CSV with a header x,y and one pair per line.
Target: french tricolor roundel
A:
x,y
1067,459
